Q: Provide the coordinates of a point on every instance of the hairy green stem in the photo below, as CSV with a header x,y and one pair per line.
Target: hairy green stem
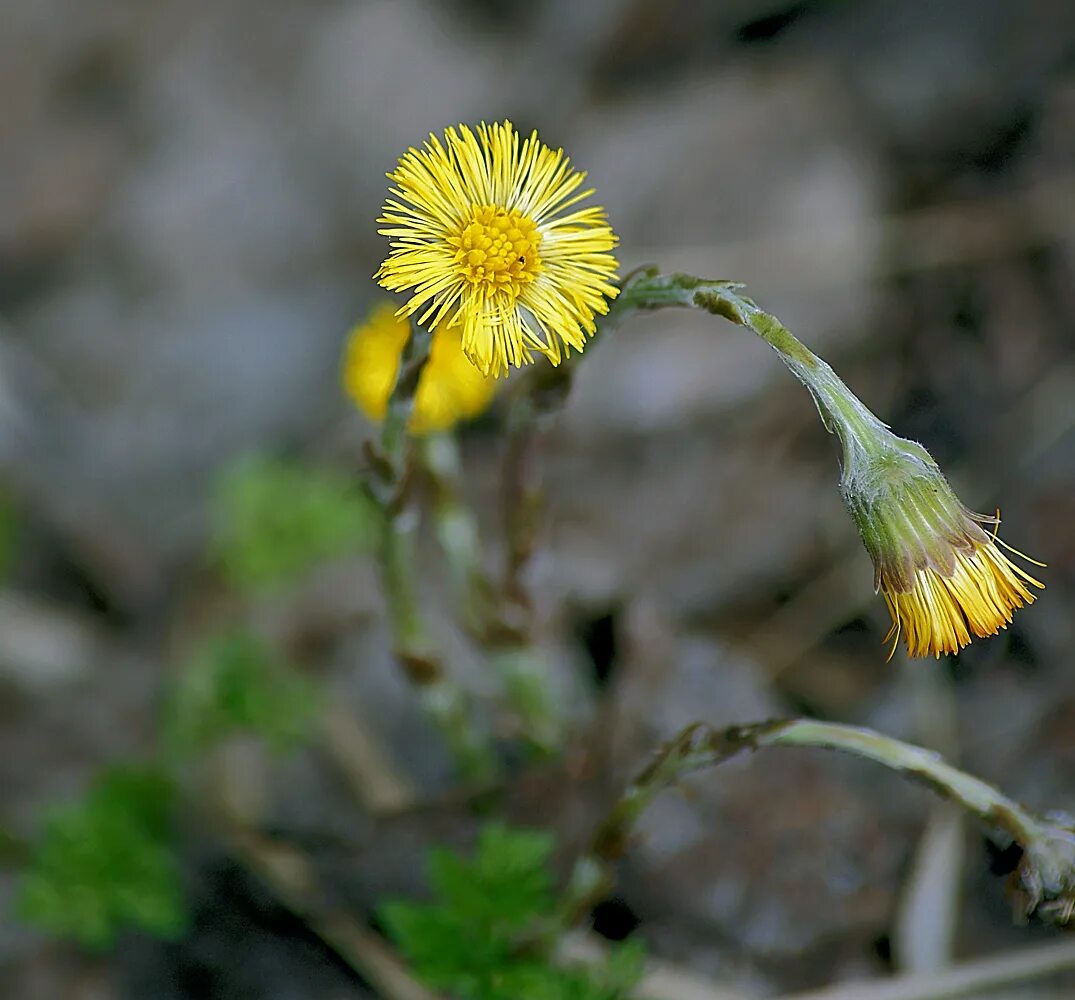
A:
x,y
388,483
842,412
457,531
397,558
492,614
1047,871
522,499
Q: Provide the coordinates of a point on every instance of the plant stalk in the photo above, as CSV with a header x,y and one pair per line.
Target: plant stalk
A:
x,y
1046,876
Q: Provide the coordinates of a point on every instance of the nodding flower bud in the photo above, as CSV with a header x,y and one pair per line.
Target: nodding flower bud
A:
x,y
943,575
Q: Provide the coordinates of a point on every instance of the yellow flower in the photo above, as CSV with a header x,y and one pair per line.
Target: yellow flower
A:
x,y
450,388
945,579
937,609
480,230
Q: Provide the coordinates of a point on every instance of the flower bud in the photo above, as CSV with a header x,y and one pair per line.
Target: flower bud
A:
x,y
450,388
944,577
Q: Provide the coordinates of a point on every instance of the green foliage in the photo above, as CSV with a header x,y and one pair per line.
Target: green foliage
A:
x,y
235,683
276,520
470,939
107,863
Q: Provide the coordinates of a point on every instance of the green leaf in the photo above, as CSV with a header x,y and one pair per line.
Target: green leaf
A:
x,y
107,863
467,940
235,683
276,520
505,887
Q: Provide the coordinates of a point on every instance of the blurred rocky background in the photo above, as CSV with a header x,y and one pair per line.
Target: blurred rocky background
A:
x,y
187,196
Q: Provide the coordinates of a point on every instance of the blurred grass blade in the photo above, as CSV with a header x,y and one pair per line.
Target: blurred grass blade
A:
x,y
927,918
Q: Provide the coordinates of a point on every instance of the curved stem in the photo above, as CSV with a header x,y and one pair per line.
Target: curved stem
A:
x,y
1047,872
841,411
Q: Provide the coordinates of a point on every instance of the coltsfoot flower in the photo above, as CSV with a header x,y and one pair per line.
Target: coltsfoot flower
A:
x,y
450,388
944,577
485,235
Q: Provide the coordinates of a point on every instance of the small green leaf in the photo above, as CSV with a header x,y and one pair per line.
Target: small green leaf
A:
x,y
106,863
466,941
276,520
235,683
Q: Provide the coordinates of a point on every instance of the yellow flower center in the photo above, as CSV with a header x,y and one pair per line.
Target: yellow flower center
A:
x,y
498,249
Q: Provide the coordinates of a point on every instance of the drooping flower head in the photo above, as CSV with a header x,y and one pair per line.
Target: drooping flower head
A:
x,y
944,577
450,388
486,236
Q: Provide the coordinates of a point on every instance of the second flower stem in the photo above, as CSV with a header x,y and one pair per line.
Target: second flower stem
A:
x,y
1046,874
498,617
389,482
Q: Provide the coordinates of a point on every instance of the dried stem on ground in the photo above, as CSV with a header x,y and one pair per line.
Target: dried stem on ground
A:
x,y
926,920
667,981
967,979
290,875
232,792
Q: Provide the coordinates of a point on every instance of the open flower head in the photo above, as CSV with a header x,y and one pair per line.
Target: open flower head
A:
x,y
486,235
450,388
944,577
